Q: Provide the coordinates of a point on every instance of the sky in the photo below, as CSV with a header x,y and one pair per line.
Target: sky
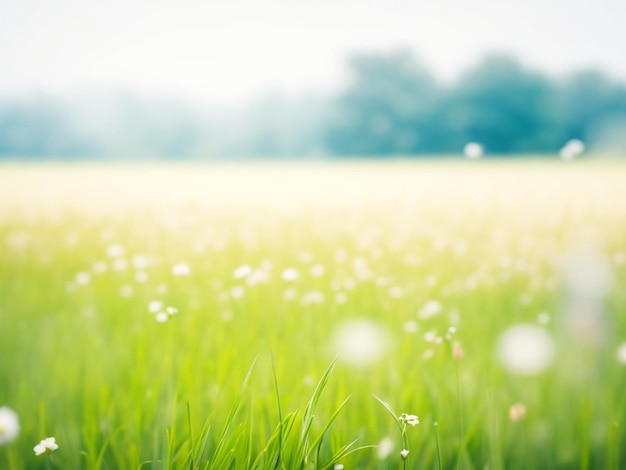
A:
x,y
230,51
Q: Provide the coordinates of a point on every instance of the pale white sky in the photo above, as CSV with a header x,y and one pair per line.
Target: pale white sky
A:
x,y
231,50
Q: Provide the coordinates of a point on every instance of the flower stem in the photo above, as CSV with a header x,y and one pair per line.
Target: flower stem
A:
x,y
405,445
438,449
460,413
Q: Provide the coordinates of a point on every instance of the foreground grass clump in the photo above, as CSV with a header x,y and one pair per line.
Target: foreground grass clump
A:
x,y
186,317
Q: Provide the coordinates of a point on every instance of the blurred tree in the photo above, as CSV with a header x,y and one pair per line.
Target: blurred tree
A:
x,y
586,101
504,107
39,129
392,106
388,109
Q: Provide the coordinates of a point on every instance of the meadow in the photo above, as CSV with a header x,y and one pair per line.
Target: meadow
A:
x,y
284,316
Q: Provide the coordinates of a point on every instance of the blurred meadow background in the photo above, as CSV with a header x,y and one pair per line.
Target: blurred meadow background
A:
x,y
312,235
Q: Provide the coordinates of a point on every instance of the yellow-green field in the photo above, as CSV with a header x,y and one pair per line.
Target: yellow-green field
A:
x,y
395,270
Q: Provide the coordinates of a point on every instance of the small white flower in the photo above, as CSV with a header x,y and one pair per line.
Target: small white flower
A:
x,y
237,292
242,271
155,306
429,310
126,291
338,466
99,267
396,292
162,317
572,149
181,269
83,278
46,446
171,310
115,251
409,419
9,425
312,297
473,150
360,342
317,270
140,262
290,274
384,449
526,349
430,336
404,453
119,264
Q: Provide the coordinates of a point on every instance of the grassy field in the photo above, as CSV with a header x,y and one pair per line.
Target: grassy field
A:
x,y
488,299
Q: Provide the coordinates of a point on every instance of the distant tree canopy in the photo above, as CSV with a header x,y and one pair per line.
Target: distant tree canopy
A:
x,y
393,105
505,107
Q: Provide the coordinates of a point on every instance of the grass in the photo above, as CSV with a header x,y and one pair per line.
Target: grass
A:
x,y
250,372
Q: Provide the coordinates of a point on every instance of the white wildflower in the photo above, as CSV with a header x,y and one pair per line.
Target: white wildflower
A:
x,y
430,309
181,269
525,349
46,446
162,317
360,342
474,151
242,271
155,306
385,448
140,262
83,278
290,274
572,149
119,264
126,291
9,425
409,419
237,292
317,270
115,251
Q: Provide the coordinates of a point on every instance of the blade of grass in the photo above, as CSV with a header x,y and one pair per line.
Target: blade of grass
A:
x,y
390,411
217,456
280,414
317,444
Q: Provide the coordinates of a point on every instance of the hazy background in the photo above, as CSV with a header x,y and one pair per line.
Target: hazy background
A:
x,y
191,79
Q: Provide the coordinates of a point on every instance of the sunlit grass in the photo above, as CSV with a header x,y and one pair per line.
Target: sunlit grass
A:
x,y
265,274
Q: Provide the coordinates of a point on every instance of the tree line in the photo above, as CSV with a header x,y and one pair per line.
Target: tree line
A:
x,y
393,105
